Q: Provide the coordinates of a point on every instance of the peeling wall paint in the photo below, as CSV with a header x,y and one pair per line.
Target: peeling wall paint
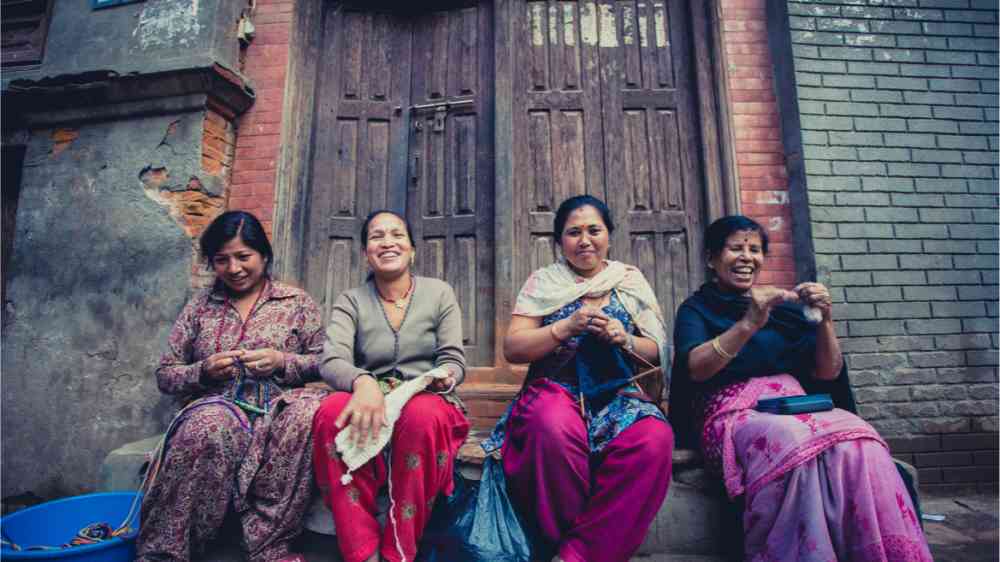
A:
x,y
168,22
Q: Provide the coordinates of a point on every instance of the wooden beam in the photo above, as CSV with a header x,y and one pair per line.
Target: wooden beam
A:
x,y
292,177
503,223
779,41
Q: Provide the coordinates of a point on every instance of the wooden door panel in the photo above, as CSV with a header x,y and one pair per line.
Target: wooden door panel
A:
x,y
652,143
557,121
359,157
450,196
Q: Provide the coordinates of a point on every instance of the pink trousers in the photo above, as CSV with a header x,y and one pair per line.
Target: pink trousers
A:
x,y
594,507
424,443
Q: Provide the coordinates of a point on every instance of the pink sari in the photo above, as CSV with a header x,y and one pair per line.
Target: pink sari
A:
x,y
818,486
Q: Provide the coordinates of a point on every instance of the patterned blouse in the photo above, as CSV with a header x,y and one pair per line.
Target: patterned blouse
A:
x,y
285,318
614,417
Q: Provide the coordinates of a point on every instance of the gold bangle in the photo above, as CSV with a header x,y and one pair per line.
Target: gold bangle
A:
x,y
717,346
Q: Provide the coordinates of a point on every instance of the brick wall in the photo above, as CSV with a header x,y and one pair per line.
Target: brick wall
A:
x,y
763,181
265,63
898,103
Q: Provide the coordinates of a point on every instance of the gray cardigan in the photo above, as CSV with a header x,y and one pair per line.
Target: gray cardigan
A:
x,y
361,342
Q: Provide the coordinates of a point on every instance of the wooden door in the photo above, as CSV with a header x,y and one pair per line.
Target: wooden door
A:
x,y
652,144
359,157
450,197
557,147
603,104
404,121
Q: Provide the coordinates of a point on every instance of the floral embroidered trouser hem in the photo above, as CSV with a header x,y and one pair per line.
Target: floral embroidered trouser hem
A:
x,y
594,507
214,463
425,440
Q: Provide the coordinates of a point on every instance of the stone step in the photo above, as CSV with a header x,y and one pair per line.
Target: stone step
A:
x,y
486,402
686,529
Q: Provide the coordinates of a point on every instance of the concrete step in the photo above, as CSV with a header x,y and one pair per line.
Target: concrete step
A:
x,y
686,529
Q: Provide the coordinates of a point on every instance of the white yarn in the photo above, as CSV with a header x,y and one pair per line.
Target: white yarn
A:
x,y
356,454
392,518
812,314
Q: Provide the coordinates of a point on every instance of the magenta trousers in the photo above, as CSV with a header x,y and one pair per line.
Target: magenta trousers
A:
x,y
593,506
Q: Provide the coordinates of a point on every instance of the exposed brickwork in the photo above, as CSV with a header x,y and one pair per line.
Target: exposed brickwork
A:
x,y
259,135
62,139
193,204
763,180
899,118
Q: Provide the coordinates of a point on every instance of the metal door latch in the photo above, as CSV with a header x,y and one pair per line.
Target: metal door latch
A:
x,y
439,114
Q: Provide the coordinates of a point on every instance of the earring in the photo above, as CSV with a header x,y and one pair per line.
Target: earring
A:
x,y
413,259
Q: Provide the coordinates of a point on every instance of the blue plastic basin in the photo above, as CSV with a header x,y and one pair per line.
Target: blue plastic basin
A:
x,y
57,522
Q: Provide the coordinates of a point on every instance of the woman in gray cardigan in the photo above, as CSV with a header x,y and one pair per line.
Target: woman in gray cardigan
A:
x,y
394,327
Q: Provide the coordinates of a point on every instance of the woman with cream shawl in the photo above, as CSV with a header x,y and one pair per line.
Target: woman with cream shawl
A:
x,y
586,453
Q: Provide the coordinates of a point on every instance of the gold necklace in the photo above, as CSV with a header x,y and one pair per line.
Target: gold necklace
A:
x,y
400,303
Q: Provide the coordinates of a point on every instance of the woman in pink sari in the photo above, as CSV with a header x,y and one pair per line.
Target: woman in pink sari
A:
x,y
815,486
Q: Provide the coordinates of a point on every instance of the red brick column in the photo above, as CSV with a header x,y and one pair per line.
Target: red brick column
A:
x,y
763,181
259,129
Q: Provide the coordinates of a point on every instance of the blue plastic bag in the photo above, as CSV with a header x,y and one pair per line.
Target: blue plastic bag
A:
x,y
477,523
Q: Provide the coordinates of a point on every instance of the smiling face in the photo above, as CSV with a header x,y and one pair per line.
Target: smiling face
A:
x,y
388,249
239,267
584,241
739,262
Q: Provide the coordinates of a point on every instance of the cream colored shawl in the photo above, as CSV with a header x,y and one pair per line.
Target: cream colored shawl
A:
x,y
554,286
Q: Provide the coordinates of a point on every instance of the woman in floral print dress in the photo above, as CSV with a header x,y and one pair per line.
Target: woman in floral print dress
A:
x,y
255,458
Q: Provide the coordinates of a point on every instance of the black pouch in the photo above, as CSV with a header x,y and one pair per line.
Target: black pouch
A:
x,y
796,404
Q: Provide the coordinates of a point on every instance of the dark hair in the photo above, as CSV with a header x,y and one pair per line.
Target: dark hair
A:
x,y
717,232
574,203
227,226
373,214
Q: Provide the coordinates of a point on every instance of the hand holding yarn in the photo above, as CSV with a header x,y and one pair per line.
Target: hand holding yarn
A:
x,y
221,366
263,362
817,301
445,383
613,333
365,412
586,319
356,452
762,299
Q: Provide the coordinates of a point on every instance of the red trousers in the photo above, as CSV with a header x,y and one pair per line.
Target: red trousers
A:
x,y
422,452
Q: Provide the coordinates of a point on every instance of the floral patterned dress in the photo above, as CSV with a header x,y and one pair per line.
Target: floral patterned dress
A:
x,y
218,454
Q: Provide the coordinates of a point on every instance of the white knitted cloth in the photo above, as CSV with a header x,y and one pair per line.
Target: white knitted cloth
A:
x,y
355,454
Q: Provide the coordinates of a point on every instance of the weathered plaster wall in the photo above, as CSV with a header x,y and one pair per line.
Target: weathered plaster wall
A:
x,y
118,182
99,272
144,37
898,103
